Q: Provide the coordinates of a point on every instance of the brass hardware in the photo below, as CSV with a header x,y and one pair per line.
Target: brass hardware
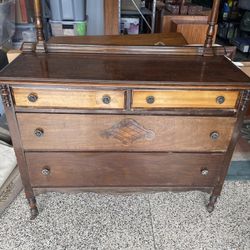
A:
x,y
33,97
214,135
46,171
220,99
39,132
150,99
106,99
204,172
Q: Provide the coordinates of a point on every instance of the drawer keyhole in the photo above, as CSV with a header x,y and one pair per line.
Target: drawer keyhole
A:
x,y
214,135
39,132
150,99
204,172
46,171
33,97
106,99
220,99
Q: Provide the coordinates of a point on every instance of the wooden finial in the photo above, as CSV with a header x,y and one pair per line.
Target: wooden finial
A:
x,y
211,25
41,46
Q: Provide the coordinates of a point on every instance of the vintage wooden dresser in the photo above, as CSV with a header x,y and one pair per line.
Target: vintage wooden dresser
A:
x,y
116,118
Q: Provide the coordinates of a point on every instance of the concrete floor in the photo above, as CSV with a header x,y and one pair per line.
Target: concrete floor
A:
x,y
163,221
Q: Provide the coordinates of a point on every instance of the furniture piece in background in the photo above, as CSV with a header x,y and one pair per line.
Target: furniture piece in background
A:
x,y
10,179
123,117
193,28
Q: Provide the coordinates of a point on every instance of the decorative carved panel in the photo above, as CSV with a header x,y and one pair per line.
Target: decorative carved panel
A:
x,y
128,131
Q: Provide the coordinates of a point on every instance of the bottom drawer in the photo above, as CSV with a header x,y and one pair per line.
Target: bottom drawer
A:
x,y
123,169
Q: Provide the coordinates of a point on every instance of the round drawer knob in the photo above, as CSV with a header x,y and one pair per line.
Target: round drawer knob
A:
x,y
220,99
150,99
46,171
33,97
214,135
106,99
204,172
39,132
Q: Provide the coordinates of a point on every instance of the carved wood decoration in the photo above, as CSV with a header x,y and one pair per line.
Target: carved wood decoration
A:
x,y
211,28
127,131
5,96
41,46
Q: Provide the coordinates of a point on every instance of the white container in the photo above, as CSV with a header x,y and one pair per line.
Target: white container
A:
x,y
7,20
67,28
25,33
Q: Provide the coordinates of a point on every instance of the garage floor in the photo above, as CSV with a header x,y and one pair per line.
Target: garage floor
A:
x,y
136,221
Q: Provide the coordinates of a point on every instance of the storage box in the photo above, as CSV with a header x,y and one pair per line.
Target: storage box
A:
x,y
7,20
25,33
129,5
130,25
68,10
68,28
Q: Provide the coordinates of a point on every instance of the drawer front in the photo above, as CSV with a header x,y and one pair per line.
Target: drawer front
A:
x,y
184,99
123,169
124,133
47,98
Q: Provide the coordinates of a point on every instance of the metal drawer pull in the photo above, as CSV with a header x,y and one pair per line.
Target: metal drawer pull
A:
x,y
214,135
46,171
220,99
39,132
204,172
106,99
150,99
33,97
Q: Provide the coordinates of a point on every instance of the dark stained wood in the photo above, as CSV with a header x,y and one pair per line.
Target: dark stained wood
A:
x,y
111,17
122,169
168,70
124,133
228,51
170,39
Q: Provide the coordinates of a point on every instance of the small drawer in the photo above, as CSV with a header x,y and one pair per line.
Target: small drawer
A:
x,y
72,169
51,98
184,99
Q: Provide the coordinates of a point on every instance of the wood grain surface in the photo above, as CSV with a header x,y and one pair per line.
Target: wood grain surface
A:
x,y
69,99
184,99
131,69
171,38
122,169
68,132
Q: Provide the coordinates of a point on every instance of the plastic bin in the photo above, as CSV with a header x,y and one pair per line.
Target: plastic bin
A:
x,y
67,28
7,20
25,33
68,10
244,4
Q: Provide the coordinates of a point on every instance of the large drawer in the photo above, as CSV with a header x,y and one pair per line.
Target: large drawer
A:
x,y
68,132
151,99
51,98
123,169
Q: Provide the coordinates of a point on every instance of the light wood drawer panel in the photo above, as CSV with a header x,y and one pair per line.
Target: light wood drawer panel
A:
x,y
185,99
124,133
47,98
123,169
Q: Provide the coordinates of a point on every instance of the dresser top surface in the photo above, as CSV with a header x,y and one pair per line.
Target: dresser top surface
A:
x,y
65,67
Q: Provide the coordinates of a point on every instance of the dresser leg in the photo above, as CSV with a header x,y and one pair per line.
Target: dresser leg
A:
x,y
212,201
33,208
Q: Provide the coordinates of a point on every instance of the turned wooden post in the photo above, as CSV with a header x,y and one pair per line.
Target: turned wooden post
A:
x,y
41,46
211,26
